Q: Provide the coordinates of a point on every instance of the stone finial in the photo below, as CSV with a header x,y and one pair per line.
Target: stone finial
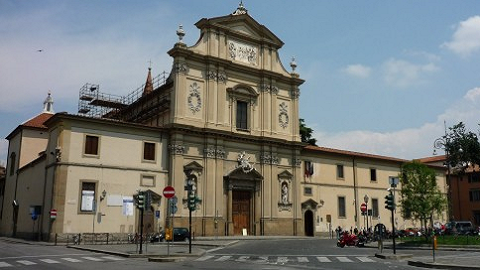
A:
x,y
180,33
293,64
240,10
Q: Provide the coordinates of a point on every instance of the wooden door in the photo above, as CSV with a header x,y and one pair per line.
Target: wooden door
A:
x,y
241,211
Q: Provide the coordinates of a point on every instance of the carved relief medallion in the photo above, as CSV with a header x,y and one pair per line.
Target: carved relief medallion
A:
x,y
194,99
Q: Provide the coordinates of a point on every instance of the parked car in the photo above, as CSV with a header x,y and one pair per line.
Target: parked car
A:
x,y
179,235
459,227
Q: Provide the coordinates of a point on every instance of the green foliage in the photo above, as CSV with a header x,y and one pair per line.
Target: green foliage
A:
x,y
306,133
420,195
462,146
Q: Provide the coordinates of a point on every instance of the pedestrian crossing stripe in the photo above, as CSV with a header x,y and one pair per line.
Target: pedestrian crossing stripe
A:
x,y
95,259
286,259
323,259
71,260
365,259
49,261
344,259
4,264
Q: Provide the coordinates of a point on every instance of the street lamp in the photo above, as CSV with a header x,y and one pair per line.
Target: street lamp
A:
x,y
365,199
441,143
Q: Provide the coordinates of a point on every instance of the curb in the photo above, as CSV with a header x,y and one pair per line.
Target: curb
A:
x,y
441,266
393,256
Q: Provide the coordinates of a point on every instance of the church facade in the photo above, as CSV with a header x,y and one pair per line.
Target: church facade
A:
x,y
226,119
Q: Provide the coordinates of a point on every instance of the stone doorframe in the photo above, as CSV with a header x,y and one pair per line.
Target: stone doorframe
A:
x,y
310,205
238,179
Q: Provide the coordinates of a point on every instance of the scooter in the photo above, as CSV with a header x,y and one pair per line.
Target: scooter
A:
x,y
347,239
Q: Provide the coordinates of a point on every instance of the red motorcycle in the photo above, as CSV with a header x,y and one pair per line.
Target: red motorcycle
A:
x,y
347,239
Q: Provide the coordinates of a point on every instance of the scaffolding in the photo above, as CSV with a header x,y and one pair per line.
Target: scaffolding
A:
x,y
93,103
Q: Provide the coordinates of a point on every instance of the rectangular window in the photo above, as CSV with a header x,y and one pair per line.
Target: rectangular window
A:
x,y
87,203
340,171
375,208
475,195
307,191
242,115
341,207
12,163
308,168
149,151
373,174
91,145
474,178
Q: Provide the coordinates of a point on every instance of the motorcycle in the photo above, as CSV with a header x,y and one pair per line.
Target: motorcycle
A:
x,y
347,239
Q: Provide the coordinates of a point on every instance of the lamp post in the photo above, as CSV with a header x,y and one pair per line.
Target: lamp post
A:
x,y
440,143
365,199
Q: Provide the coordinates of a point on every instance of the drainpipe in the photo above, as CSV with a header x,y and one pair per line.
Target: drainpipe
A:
x,y
355,191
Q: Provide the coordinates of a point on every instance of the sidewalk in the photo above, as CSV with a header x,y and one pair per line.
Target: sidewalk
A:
x,y
443,262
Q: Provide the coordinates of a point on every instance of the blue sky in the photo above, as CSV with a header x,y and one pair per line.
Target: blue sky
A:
x,y
382,77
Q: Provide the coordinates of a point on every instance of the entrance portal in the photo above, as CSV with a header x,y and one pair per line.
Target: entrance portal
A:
x,y
308,219
241,207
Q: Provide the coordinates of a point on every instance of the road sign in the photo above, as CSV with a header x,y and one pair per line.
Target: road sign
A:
x,y
168,192
53,214
363,207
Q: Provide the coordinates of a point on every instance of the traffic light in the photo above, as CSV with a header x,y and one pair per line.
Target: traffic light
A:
x,y
390,202
192,201
141,200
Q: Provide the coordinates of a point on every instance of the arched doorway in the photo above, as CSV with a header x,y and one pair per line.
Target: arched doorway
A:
x,y
308,223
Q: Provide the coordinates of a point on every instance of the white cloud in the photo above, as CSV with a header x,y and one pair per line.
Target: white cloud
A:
x,y
357,70
408,143
401,73
466,39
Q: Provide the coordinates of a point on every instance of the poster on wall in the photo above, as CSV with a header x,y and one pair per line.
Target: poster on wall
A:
x,y
127,208
87,200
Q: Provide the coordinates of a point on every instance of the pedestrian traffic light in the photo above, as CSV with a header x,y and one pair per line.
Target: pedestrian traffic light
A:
x,y
141,200
390,202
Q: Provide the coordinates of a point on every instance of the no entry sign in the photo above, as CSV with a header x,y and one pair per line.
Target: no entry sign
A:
x,y
363,207
168,192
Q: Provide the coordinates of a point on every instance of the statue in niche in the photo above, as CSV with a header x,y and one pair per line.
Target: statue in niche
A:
x,y
284,193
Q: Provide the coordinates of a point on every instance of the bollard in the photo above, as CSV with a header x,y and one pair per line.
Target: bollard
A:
x,y
435,242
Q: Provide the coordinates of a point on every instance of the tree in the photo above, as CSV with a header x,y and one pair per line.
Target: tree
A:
x,y
420,195
306,133
462,146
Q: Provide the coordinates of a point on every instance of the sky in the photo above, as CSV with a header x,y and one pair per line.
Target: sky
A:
x,y
381,77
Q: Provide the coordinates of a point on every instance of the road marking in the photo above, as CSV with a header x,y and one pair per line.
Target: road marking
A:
x,y
365,259
93,259
204,258
303,259
243,258
4,264
49,261
262,259
344,259
223,258
282,260
323,259
113,258
26,262
71,260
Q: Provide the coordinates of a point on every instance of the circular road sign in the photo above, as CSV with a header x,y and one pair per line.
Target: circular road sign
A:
x,y
363,207
168,192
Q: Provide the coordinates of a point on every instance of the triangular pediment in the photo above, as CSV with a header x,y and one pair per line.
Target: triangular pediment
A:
x,y
242,27
239,173
309,204
285,175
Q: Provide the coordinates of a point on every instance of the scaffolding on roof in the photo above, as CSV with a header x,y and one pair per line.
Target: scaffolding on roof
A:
x,y
93,103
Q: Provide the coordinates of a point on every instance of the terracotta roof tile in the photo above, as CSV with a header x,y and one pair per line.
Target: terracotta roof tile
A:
x,y
37,121
352,153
